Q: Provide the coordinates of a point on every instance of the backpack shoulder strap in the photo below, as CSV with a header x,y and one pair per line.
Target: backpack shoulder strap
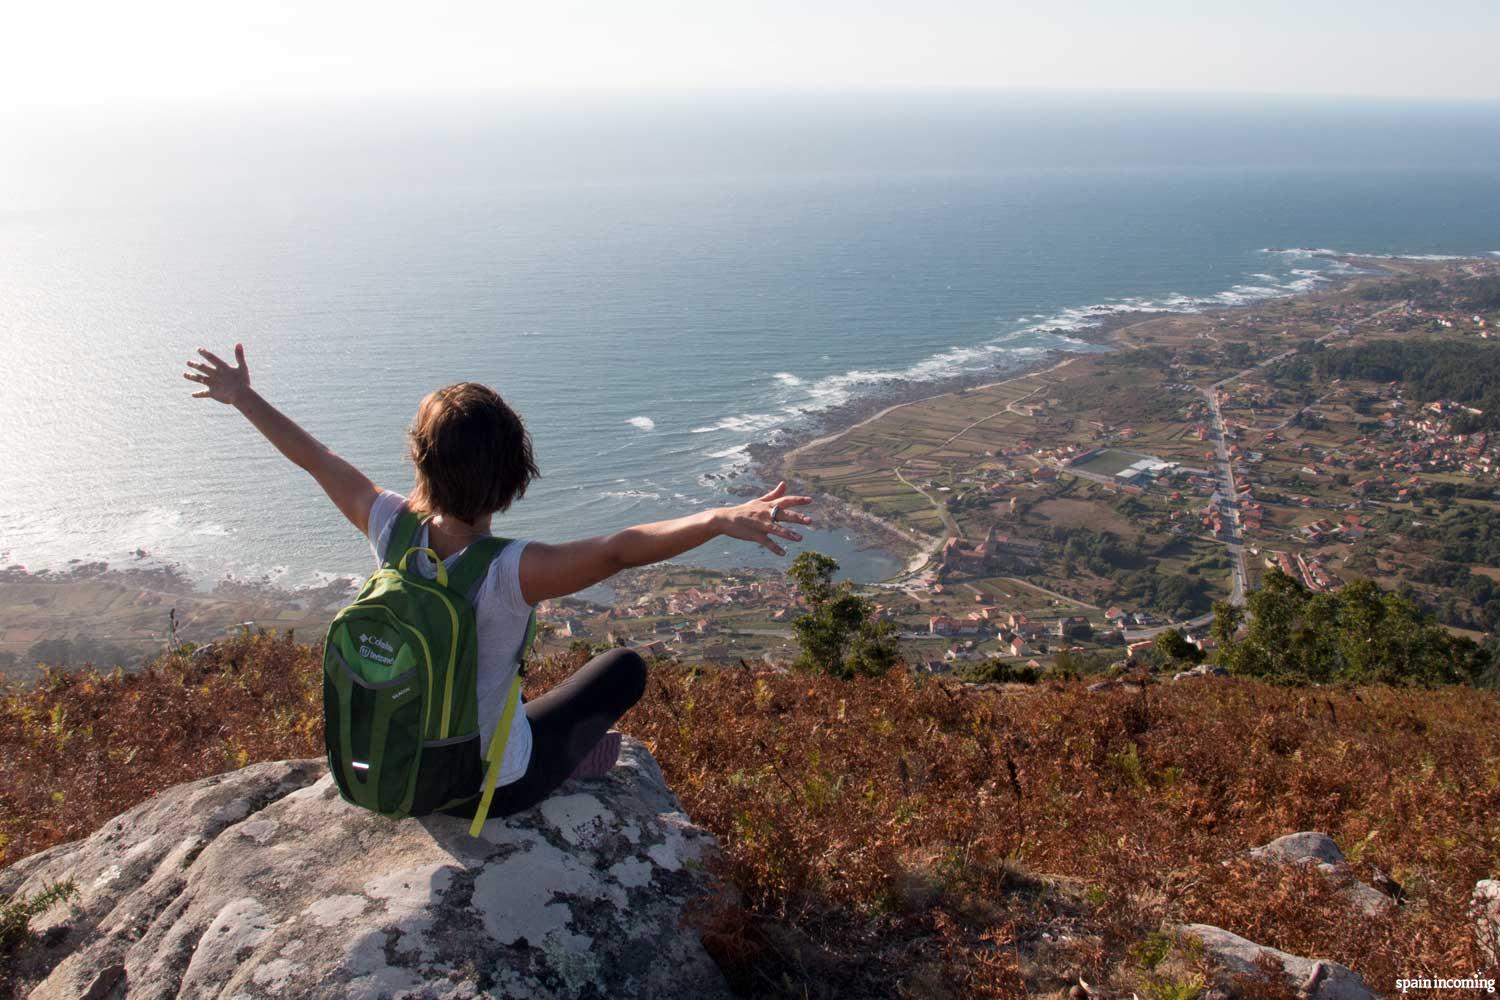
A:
x,y
469,571
465,577
403,536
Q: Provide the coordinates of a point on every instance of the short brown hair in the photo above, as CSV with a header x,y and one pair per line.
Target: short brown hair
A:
x,y
471,451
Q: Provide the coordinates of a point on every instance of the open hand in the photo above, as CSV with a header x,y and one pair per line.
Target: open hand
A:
x,y
753,521
223,382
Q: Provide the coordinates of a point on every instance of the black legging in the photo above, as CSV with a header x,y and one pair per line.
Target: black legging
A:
x,y
566,722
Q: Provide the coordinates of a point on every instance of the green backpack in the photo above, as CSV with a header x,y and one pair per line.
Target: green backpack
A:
x,y
400,686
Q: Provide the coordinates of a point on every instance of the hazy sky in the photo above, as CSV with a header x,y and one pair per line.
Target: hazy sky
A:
x,y
62,52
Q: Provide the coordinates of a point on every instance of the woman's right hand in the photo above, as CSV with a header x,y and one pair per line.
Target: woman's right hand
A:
x,y
753,521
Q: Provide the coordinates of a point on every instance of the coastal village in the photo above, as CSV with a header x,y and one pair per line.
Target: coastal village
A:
x,y
1094,504
1083,508
1091,506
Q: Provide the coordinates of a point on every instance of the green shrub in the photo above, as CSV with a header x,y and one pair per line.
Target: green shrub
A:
x,y
997,671
16,914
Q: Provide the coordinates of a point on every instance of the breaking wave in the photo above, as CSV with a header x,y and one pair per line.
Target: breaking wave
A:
x,y
1307,253
1030,337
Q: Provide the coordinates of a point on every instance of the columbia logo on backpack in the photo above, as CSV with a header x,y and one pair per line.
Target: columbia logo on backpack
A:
x,y
405,634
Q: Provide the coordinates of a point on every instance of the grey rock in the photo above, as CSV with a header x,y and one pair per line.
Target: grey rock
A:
x,y
264,883
1201,670
1370,900
1305,846
1485,904
1319,849
1312,978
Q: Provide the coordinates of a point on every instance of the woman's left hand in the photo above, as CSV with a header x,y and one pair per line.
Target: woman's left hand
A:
x,y
224,382
758,520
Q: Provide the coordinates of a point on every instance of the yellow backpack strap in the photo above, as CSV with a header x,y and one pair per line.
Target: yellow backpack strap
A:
x,y
526,644
501,737
496,754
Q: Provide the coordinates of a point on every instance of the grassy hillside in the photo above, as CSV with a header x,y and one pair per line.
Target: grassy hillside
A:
x,y
917,837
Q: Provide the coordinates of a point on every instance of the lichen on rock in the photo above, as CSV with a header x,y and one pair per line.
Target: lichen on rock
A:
x,y
263,883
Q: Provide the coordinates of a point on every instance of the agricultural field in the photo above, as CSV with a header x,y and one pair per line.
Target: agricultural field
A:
x,y
1108,462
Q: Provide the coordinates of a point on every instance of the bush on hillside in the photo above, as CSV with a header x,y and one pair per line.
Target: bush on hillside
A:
x,y
997,671
1173,645
78,747
16,914
78,651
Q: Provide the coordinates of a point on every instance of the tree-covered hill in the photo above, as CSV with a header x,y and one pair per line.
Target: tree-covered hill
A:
x,y
1465,372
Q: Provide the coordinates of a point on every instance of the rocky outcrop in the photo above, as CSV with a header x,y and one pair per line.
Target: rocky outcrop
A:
x,y
1307,977
1310,978
263,883
1319,849
1485,904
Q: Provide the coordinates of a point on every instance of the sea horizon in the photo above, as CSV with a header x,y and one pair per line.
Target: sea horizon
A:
x,y
655,291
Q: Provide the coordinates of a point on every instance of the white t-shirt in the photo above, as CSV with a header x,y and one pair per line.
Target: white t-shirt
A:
x,y
501,615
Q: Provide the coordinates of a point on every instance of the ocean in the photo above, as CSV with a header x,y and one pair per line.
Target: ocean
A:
x,y
654,283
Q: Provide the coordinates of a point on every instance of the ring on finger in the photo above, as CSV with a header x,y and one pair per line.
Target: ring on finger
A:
x,y
775,512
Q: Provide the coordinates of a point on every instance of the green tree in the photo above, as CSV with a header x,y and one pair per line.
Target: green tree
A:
x,y
1174,645
812,572
1358,634
840,635
1227,620
997,671
874,649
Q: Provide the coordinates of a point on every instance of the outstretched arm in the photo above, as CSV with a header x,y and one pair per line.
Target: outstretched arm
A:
x,y
346,486
558,570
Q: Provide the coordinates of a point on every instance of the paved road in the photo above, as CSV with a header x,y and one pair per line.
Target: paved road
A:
x,y
774,632
1235,530
1050,593
1137,634
1233,541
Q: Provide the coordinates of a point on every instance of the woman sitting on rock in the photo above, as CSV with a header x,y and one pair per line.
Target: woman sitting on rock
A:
x,y
473,459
